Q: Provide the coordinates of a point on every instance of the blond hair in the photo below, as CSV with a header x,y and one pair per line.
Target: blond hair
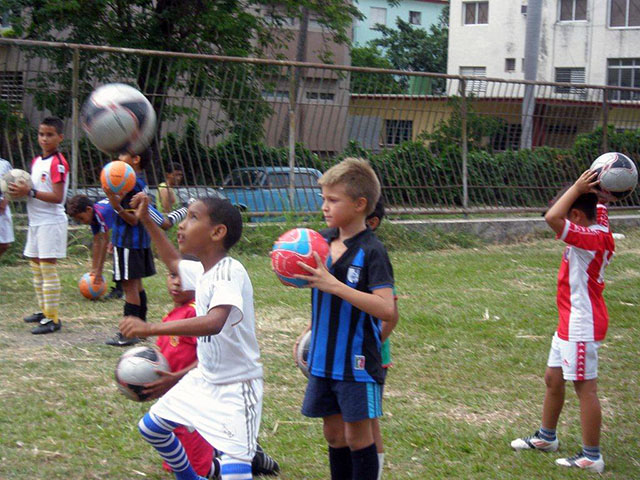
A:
x,y
358,178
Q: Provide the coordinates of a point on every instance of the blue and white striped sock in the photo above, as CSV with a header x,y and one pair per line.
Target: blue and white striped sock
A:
x,y
159,433
234,469
547,434
592,453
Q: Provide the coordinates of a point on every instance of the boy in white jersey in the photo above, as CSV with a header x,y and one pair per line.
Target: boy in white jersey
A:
x,y
6,223
222,397
583,225
47,233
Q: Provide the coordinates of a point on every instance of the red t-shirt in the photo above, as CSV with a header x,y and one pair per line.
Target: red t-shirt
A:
x,y
180,352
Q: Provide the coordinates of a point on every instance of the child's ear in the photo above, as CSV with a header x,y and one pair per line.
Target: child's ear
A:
x,y
218,232
361,204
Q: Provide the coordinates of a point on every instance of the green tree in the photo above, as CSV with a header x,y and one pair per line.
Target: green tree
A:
x,y
371,56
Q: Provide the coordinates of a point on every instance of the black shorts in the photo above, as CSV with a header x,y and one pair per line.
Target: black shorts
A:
x,y
130,263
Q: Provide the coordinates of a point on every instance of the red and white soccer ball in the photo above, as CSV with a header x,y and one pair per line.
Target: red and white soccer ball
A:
x,y
137,367
295,246
617,173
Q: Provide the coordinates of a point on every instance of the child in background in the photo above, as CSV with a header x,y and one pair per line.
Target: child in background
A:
x,y
167,199
349,300
582,224
47,232
6,223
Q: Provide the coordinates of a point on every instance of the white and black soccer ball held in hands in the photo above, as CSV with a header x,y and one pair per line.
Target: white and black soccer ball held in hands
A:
x,y
617,173
137,367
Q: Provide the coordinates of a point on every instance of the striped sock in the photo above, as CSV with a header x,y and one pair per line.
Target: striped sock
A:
x,y
547,434
234,469
592,453
177,215
37,282
50,290
159,433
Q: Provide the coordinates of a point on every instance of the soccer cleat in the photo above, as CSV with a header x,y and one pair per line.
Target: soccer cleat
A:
x,y
34,317
119,340
114,294
47,326
263,464
534,442
581,461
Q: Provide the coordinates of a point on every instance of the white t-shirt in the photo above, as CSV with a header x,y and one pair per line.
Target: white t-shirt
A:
x,y
44,173
233,354
5,167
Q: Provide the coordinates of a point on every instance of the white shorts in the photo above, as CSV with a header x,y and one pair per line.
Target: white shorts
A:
x,y
227,416
47,241
578,360
6,227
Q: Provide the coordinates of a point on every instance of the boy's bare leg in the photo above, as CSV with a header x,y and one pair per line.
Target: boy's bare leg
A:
x,y
553,397
590,411
131,290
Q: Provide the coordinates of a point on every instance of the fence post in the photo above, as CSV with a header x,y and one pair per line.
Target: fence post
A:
x,y
463,126
292,134
605,122
74,120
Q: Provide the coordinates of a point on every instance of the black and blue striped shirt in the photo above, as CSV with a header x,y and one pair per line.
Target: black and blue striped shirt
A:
x,y
345,341
130,236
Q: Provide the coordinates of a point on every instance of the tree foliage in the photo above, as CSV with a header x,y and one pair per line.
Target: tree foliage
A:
x,y
371,56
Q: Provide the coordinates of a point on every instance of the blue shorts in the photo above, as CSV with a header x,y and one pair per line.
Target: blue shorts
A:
x,y
354,400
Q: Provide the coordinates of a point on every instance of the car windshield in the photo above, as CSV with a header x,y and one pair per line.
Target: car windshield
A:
x,y
243,178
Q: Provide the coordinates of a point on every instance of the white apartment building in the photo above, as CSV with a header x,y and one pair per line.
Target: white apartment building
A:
x,y
581,41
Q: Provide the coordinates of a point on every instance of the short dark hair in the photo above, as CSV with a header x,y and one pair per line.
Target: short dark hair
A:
x,y
145,158
378,211
174,167
222,211
78,204
54,122
587,203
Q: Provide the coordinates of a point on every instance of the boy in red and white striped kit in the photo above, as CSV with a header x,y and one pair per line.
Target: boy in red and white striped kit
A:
x,y
583,225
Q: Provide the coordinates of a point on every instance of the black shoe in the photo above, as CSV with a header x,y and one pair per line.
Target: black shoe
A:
x,y
119,340
34,317
263,464
47,326
114,294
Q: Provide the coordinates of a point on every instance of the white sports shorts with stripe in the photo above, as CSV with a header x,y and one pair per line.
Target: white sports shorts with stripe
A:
x,y
46,241
578,360
130,263
226,415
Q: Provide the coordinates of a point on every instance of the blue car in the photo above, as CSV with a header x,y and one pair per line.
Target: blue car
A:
x,y
266,190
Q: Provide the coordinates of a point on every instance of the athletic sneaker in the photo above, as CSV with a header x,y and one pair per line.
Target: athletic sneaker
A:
x,y
47,326
34,317
534,442
119,340
263,464
114,294
581,461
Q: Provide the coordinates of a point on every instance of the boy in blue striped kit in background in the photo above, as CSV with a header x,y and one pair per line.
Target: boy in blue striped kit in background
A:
x,y
350,299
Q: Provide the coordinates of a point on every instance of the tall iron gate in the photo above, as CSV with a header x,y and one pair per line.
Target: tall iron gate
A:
x,y
439,143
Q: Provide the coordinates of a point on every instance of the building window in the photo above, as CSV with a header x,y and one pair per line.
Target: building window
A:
x,y
377,16
476,13
275,94
12,88
325,96
623,72
509,64
570,75
474,86
398,131
415,18
624,13
571,10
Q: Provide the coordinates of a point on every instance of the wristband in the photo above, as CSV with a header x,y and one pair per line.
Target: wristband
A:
x,y
32,193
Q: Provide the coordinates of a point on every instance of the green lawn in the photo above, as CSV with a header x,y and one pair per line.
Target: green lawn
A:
x,y
469,356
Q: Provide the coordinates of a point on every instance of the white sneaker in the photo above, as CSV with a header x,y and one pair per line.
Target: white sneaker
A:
x,y
581,461
534,442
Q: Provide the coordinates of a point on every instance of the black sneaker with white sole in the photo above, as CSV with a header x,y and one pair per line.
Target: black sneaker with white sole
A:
x,y
47,326
263,463
119,340
34,317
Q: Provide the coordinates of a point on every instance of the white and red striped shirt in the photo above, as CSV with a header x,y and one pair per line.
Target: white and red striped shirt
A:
x,y
44,173
582,312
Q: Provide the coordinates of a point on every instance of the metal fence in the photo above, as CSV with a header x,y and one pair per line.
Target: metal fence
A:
x,y
439,143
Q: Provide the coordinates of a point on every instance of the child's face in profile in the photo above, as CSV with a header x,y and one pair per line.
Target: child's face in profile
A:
x,y
49,139
175,178
174,286
84,217
196,230
373,222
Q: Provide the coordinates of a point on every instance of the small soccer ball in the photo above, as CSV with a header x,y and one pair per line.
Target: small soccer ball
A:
x,y
118,177
137,367
89,290
617,173
14,175
118,118
302,356
295,246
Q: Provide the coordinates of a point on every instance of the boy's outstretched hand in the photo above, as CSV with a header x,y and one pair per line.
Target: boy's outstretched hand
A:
x,y
140,202
134,327
318,277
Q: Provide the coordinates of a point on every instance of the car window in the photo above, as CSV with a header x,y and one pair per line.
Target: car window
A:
x,y
243,178
278,180
305,180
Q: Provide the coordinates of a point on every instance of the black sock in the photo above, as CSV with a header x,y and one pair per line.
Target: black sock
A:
x,y
143,305
340,463
118,286
365,463
131,309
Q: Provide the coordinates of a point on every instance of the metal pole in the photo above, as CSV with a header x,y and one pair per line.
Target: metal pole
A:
x,y
74,121
605,121
531,51
465,147
292,135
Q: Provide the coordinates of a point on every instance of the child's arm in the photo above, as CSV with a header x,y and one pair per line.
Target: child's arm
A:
x,y
379,304
3,204
166,381
22,190
166,251
556,215
387,327
126,215
98,254
209,324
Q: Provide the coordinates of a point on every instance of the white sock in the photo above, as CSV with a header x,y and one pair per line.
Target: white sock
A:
x,y
380,464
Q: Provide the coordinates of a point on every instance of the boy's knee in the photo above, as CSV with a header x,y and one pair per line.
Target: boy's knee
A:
x,y
553,379
334,436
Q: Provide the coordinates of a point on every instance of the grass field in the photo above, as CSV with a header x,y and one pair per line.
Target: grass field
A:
x,y
469,355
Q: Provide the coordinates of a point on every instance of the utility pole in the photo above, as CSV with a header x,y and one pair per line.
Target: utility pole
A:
x,y
531,52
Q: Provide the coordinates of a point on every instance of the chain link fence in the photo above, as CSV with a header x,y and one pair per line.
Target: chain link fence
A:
x,y
260,131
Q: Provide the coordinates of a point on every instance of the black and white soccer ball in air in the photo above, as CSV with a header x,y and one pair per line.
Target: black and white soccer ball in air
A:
x,y
137,367
617,173
302,356
118,118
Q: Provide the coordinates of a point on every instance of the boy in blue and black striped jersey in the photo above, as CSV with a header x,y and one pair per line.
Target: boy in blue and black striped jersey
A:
x,y
350,301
